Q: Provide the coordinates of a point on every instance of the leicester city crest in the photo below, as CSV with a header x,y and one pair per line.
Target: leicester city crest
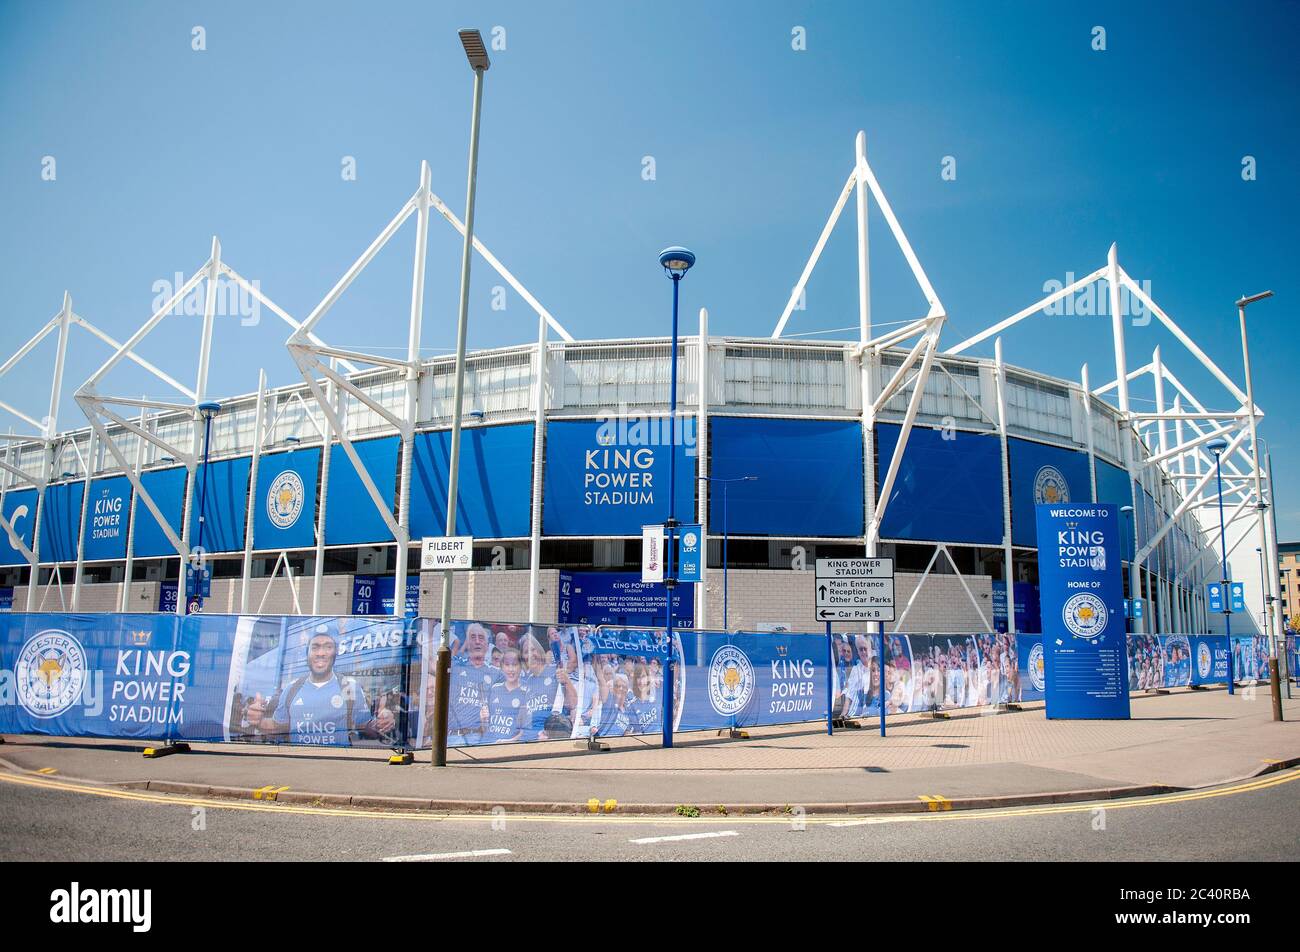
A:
x,y
1204,661
1050,486
731,680
284,499
50,673
1085,616
1037,674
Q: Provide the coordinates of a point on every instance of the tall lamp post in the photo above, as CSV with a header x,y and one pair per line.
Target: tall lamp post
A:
x,y
1127,512
676,261
476,53
1217,446
208,410
725,483
1261,507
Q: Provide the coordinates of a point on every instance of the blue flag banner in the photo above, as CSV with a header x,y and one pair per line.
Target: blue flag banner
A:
x,y
284,503
107,515
20,509
1082,602
167,489
60,520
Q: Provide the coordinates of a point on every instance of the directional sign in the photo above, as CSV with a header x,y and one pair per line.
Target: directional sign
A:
x,y
854,590
446,552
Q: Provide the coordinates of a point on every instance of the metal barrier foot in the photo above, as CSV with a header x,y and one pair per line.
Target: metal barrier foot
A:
x,y
734,734
591,744
941,715
166,749
846,723
402,759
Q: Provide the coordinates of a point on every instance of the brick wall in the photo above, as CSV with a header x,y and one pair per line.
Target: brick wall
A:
x,y
491,595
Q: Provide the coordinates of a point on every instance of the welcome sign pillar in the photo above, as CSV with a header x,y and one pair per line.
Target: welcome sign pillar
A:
x,y
1085,648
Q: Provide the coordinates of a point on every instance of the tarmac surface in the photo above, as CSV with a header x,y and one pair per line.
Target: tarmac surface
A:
x,y
1178,741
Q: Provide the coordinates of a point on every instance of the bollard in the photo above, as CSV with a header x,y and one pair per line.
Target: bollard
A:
x,y
1275,688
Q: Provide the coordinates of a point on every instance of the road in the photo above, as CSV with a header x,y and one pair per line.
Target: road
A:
x,y
45,818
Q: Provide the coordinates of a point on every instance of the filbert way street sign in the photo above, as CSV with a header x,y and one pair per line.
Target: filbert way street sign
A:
x,y
854,590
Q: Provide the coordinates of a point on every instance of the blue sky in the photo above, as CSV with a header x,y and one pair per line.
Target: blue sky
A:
x,y
1060,149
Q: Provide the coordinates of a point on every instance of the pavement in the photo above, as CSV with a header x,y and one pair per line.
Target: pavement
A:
x,y
1183,740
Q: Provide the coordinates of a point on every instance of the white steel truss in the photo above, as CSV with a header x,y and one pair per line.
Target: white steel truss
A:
x,y
1179,462
922,332
326,384
102,410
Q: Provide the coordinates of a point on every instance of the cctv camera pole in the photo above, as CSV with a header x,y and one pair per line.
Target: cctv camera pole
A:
x,y
478,61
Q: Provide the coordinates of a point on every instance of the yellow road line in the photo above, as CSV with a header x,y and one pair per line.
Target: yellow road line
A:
x,y
1249,786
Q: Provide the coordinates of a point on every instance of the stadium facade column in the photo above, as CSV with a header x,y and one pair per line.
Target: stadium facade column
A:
x,y
1126,422
51,429
869,356
200,396
259,418
1162,440
129,567
539,464
1008,561
334,397
1261,506
89,465
702,472
412,403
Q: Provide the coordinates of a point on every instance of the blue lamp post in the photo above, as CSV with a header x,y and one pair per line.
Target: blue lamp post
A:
x,y
725,483
208,411
1127,512
1217,446
676,262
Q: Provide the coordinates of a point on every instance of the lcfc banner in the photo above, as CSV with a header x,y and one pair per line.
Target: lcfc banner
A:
x,y
1081,597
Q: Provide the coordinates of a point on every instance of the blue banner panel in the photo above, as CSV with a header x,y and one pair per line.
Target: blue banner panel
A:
x,y
1160,661
107,515
353,518
750,680
225,505
1033,673
61,521
284,513
621,598
496,473
1081,592
1250,657
610,477
20,510
808,477
167,487
947,489
1114,487
276,679
1043,474
1028,618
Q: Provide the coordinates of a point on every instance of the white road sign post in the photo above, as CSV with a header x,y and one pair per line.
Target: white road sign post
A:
x,y
439,553
854,590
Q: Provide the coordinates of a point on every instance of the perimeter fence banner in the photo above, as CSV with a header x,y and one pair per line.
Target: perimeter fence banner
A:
x,y
368,681
263,679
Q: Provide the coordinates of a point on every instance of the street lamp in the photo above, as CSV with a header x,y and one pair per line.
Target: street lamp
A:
x,y
208,410
725,484
676,261
1261,507
1127,511
1217,446
476,54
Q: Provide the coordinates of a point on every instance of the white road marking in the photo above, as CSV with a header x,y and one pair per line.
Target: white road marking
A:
x,y
430,857
873,819
685,836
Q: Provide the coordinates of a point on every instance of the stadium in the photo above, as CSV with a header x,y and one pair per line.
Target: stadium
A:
x,y
312,497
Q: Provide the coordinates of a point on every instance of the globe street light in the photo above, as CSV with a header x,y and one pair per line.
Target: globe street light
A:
x,y
676,261
725,483
1217,446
